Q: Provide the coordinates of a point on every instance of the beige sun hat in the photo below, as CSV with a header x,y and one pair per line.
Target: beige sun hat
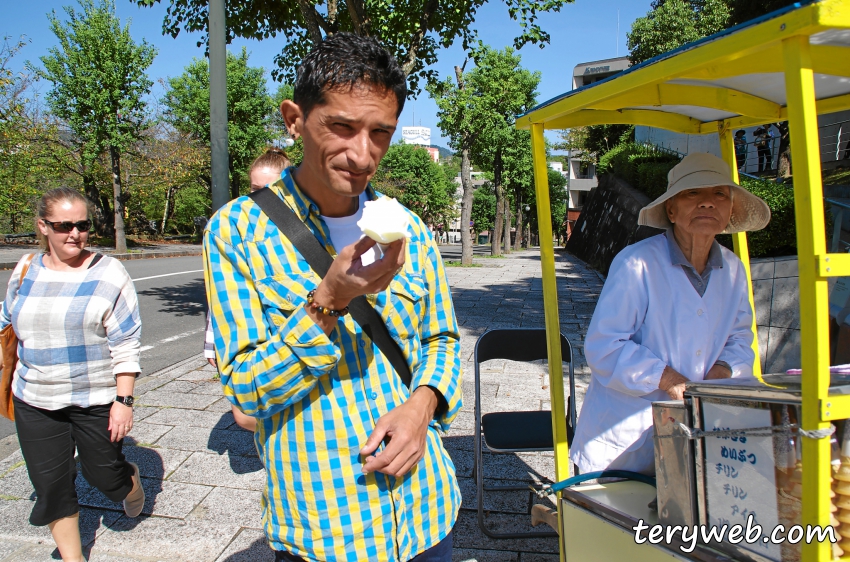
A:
x,y
700,170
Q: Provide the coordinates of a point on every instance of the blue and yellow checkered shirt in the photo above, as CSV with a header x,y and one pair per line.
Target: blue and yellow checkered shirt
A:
x,y
317,398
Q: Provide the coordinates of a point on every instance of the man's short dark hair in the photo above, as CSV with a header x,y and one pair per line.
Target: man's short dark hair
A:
x,y
344,61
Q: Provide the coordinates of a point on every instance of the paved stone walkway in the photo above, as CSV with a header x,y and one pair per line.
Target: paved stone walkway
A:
x,y
201,473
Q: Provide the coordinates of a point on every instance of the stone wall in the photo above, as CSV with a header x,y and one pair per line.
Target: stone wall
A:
x,y
608,223
776,292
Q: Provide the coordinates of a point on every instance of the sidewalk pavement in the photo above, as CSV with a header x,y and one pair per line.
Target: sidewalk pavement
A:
x,y
203,480
10,254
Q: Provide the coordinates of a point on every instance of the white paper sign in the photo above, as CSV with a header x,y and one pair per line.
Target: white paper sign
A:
x,y
740,477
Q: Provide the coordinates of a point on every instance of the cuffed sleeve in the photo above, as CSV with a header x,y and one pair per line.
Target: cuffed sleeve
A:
x,y
124,328
440,364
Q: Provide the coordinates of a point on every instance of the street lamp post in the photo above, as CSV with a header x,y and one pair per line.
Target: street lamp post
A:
x,y
218,104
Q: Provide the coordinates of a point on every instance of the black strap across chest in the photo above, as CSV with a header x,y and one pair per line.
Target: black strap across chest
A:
x,y
300,236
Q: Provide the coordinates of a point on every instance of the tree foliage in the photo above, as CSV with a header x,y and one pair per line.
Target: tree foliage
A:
x,y
413,31
477,115
249,111
672,23
484,208
99,84
408,174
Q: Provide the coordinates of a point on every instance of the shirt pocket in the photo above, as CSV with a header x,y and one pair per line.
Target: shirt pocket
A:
x,y
405,306
280,295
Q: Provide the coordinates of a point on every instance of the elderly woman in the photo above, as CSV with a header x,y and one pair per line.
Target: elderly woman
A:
x,y
675,308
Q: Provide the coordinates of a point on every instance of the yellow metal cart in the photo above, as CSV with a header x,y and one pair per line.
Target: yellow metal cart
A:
x,y
792,64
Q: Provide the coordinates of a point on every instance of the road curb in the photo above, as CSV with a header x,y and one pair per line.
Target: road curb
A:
x,y
129,256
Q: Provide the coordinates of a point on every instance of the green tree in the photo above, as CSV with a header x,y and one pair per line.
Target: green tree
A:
x,y
249,111
477,114
408,174
505,89
672,23
99,84
412,31
484,209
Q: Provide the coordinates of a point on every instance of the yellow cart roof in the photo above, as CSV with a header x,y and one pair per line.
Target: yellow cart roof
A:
x,y
734,78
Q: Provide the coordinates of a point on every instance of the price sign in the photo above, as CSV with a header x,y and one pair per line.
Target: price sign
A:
x,y
740,478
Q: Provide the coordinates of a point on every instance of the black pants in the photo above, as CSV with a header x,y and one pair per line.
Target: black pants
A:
x,y
765,159
48,439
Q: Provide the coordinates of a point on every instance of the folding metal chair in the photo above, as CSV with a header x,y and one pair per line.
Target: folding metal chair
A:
x,y
514,431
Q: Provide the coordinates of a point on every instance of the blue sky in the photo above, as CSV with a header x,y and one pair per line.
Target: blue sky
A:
x,y
583,31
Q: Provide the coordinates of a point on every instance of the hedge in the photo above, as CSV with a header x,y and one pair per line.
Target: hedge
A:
x,y
646,168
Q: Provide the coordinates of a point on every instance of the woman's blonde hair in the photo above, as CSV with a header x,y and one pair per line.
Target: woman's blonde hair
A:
x,y
45,207
274,158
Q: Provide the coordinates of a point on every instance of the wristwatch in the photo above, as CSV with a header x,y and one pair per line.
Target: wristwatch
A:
x,y
126,400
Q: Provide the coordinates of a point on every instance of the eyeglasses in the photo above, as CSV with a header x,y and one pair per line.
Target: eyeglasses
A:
x,y
65,227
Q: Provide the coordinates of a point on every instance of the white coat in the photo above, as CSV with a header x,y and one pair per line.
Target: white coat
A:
x,y
648,316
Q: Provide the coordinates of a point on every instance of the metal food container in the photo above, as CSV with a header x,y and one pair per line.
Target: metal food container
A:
x,y
757,474
674,464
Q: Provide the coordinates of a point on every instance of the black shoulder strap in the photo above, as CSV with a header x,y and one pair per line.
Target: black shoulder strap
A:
x,y
97,257
320,260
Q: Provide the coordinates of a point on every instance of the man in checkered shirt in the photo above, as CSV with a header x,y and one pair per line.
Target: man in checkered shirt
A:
x,y
356,469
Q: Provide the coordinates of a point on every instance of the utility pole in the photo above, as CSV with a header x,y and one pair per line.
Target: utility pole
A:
x,y
218,104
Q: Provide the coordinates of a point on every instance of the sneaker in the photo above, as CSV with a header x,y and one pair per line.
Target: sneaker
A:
x,y
135,500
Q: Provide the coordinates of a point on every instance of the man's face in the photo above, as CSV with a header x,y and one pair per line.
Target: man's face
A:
x,y
344,140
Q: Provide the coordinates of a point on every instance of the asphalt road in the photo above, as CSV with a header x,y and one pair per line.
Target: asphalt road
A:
x,y
172,302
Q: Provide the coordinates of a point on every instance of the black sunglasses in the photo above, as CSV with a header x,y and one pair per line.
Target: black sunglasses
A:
x,y
65,227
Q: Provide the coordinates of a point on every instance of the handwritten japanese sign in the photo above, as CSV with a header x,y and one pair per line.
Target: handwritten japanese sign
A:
x,y
740,477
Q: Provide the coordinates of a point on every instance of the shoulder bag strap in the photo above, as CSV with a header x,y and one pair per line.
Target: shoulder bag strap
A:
x,y
320,260
97,257
27,261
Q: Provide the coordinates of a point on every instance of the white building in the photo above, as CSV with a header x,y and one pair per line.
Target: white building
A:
x,y
594,71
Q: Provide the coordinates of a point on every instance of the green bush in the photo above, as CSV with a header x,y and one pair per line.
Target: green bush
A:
x,y
645,169
779,237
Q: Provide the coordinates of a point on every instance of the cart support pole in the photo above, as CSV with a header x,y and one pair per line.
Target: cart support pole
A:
x,y
811,242
550,305
739,239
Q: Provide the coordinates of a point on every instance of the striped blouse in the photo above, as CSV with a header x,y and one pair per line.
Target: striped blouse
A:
x,y
76,331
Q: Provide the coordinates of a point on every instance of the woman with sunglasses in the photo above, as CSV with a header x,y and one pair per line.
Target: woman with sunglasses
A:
x,y
77,319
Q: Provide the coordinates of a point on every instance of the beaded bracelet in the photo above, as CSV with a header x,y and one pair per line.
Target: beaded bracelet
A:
x,y
323,309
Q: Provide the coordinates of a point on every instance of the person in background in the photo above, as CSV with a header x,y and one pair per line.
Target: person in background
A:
x,y
741,148
76,316
674,308
266,169
763,140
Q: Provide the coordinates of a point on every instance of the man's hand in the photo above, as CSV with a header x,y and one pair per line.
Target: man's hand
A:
x,y
673,383
405,427
211,361
348,278
718,372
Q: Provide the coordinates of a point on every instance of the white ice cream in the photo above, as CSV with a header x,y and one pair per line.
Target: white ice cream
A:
x,y
384,220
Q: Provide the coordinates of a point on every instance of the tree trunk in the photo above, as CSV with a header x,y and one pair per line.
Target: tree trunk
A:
x,y
466,241
169,195
102,225
118,205
496,235
496,241
783,165
518,239
507,225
